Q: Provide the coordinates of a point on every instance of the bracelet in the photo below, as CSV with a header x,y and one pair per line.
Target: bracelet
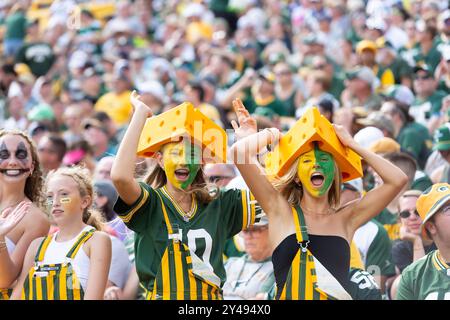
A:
x,y
3,246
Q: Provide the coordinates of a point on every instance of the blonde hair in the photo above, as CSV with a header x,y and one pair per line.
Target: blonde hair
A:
x,y
292,191
34,183
82,177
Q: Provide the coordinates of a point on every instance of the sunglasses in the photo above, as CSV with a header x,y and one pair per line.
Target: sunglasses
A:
x,y
218,178
423,77
406,213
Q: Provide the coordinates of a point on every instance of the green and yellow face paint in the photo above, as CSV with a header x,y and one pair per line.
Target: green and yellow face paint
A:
x,y
181,163
316,170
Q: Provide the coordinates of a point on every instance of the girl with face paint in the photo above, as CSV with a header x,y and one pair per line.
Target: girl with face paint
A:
x,y
181,228
21,219
73,263
307,227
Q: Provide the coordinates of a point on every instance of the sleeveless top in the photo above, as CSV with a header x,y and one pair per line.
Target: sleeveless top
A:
x,y
57,251
332,251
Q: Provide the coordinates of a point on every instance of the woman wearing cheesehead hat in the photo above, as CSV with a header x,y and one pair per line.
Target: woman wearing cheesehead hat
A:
x,y
429,277
180,226
309,232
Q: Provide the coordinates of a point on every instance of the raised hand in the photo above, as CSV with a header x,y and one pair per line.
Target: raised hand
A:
x,y
343,135
11,217
137,103
406,235
247,124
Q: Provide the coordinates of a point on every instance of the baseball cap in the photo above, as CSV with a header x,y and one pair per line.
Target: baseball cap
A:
x,y
267,75
422,66
264,221
41,112
366,45
442,138
379,120
376,23
154,88
91,122
431,200
385,145
367,136
354,185
400,93
363,73
73,157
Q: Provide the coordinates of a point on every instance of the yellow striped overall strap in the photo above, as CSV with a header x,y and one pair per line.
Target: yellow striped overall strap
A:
x,y
166,216
85,236
42,249
301,231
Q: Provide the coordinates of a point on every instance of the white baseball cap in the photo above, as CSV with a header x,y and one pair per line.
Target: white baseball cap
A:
x,y
367,136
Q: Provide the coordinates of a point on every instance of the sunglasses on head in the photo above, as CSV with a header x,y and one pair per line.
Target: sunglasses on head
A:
x,y
406,213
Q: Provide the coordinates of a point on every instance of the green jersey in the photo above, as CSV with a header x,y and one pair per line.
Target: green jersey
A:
x,y
415,139
38,56
422,109
205,232
425,279
390,222
362,285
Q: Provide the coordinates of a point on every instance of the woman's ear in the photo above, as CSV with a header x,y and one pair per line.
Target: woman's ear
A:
x,y
159,159
86,202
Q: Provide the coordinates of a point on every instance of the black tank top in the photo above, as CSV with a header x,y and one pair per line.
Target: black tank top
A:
x,y
332,251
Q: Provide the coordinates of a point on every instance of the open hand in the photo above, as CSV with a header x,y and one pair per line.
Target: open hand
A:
x,y
247,124
10,217
137,103
343,135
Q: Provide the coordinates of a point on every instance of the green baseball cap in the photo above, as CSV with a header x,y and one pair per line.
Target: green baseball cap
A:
x,y
41,112
442,138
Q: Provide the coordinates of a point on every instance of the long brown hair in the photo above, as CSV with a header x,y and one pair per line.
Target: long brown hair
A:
x,y
292,191
34,183
82,177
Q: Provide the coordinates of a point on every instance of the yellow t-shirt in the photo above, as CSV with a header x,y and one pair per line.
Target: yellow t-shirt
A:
x,y
117,106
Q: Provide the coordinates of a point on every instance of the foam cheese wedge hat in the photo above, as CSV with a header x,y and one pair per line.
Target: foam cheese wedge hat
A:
x,y
184,121
312,127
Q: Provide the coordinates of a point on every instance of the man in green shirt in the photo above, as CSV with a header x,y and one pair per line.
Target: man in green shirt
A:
x,y
413,137
426,108
35,53
429,277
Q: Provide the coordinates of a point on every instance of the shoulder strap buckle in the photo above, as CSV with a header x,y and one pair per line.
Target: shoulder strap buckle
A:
x,y
177,233
303,245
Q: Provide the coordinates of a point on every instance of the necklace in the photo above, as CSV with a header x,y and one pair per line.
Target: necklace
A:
x,y
186,215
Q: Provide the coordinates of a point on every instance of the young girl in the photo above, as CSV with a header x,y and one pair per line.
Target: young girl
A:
x,y
73,263
21,220
310,234
180,227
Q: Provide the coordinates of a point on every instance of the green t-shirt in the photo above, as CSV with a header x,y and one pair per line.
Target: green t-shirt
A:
x,y
432,58
205,233
38,56
399,69
390,222
16,26
425,279
375,247
275,105
416,139
423,109
362,285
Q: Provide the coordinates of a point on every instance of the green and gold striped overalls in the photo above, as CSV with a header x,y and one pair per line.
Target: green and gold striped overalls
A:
x,y
5,294
302,282
55,281
176,279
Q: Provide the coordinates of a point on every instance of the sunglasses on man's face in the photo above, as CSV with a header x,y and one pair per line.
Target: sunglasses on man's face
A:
x,y
213,179
406,213
423,77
